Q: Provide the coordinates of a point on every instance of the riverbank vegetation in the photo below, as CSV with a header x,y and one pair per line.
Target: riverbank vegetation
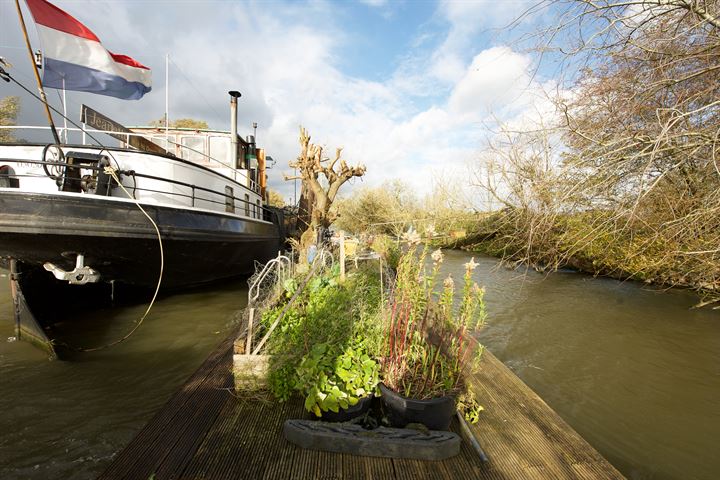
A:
x,y
393,208
625,180
619,175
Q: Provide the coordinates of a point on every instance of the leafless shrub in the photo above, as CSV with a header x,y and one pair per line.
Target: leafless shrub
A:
x,y
633,190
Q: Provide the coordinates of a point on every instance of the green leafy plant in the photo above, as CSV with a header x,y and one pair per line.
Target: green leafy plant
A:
x,y
326,343
331,381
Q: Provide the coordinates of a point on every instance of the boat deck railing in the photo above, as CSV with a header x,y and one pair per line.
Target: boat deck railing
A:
x,y
229,200
128,135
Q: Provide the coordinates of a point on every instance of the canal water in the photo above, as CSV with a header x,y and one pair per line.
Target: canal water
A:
x,y
635,371
66,420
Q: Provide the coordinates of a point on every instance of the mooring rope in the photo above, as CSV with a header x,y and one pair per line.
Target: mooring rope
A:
x,y
113,172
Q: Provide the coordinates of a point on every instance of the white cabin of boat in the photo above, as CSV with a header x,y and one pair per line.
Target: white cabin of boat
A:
x,y
212,149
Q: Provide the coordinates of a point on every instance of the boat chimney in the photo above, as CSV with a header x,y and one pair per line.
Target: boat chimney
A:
x,y
234,95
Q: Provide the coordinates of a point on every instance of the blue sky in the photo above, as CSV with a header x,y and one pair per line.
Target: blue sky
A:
x,y
379,38
409,88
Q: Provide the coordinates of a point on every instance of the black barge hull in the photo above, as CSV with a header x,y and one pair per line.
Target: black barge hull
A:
x,y
119,241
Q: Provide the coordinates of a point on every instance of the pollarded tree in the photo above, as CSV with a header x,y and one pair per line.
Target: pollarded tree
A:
x,y
323,177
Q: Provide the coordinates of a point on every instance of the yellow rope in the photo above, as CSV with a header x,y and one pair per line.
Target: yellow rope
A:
x,y
113,173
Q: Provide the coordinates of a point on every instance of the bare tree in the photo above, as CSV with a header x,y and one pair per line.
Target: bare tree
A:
x,y
323,177
634,191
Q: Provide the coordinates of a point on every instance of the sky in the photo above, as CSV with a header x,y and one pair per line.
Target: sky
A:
x,y
410,88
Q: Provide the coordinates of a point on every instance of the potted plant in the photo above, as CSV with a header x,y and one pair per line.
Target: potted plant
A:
x,y
338,385
430,347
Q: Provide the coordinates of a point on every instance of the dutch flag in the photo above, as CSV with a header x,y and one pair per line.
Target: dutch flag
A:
x,y
74,54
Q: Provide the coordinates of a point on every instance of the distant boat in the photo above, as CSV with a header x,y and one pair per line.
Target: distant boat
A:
x,y
65,216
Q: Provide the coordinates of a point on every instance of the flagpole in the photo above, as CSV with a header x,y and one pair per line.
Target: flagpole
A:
x,y
37,74
65,129
167,102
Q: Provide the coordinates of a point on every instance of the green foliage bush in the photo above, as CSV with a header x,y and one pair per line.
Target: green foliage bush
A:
x,y
325,345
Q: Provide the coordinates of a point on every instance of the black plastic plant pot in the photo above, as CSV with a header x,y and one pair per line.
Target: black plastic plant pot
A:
x,y
434,413
347,414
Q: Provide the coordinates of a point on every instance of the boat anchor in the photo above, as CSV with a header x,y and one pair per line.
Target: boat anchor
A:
x,y
80,275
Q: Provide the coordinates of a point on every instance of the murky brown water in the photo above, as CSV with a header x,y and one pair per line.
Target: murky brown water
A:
x,y
65,420
634,371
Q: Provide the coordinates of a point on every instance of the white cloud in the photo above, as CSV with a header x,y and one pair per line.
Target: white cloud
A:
x,y
495,78
284,60
468,19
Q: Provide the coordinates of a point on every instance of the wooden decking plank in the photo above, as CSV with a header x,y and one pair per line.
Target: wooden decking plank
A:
x,y
308,465
137,450
219,447
518,428
267,440
241,446
198,415
180,454
416,469
284,460
150,445
205,433
356,467
511,443
465,465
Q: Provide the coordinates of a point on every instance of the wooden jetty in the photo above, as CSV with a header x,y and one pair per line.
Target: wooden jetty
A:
x,y
205,432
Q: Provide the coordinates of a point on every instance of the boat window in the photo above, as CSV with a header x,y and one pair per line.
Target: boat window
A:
x,y
220,149
229,200
258,211
193,149
247,204
163,142
7,177
242,150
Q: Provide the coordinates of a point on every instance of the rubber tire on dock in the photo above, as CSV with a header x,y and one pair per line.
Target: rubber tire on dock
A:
x,y
380,442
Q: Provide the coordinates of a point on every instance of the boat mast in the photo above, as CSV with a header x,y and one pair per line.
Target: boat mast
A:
x,y
64,100
37,74
167,102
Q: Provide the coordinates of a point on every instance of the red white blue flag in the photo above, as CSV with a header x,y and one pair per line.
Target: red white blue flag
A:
x,y
75,60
